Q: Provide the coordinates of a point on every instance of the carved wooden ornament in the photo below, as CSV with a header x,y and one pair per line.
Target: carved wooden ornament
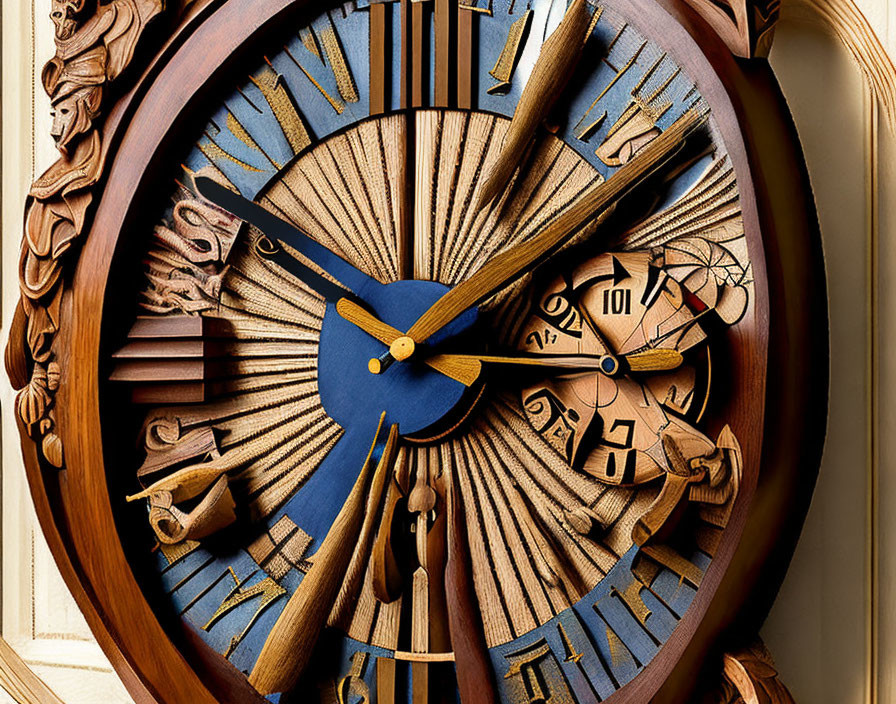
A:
x,y
427,351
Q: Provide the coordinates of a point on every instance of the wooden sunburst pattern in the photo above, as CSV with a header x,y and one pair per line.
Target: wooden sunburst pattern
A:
x,y
574,488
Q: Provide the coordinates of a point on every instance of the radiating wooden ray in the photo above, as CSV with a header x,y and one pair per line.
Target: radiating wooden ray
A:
x,y
528,562
452,238
264,408
362,616
348,194
711,209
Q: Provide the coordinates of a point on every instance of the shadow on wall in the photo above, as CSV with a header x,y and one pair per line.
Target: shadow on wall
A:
x,y
818,629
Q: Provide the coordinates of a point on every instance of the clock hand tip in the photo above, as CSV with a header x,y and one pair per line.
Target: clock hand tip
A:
x,y
203,185
489,191
212,190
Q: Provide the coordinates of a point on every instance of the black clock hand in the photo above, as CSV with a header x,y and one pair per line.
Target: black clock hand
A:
x,y
331,291
352,282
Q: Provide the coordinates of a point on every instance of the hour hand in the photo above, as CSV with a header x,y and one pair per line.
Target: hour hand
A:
x,y
658,360
283,236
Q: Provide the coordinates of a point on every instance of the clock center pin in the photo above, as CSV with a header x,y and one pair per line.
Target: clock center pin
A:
x,y
403,348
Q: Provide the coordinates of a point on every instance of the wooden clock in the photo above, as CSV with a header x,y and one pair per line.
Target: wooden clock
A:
x,y
439,351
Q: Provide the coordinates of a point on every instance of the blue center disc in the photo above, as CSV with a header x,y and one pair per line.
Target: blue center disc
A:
x,y
412,395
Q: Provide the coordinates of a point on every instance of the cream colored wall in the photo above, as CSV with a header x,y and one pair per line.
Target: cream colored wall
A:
x,y
832,629
821,630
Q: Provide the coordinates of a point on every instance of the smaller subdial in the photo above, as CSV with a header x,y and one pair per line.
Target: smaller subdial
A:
x,y
631,420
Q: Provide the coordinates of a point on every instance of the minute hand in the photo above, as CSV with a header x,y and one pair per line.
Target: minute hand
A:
x,y
509,265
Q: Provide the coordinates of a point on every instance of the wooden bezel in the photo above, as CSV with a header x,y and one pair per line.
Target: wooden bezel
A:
x,y
789,348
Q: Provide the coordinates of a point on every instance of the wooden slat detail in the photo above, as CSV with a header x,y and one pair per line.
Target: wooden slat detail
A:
x,y
378,58
419,64
169,349
465,69
159,370
497,621
406,54
154,394
168,326
445,19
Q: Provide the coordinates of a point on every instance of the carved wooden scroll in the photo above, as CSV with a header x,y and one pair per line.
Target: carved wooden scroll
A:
x,y
95,42
746,26
750,677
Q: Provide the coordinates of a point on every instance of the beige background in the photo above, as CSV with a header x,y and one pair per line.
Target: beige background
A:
x,y
833,628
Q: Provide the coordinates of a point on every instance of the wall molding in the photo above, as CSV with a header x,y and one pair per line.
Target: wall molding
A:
x,y
846,21
19,680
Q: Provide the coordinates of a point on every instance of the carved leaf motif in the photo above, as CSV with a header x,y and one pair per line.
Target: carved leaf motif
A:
x,y
52,449
746,26
34,399
94,44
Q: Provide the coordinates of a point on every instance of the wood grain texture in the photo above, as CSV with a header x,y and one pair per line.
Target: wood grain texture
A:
x,y
351,193
91,294
475,680
465,28
503,268
418,56
445,18
378,58
465,145
556,63
291,642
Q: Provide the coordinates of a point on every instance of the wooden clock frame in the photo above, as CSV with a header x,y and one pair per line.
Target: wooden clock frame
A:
x,y
187,48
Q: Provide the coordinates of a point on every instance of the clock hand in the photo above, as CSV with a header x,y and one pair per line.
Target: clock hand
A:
x,y
282,236
555,64
466,371
647,361
511,264
292,639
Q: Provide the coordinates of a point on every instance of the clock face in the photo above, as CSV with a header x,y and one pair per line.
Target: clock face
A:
x,y
362,487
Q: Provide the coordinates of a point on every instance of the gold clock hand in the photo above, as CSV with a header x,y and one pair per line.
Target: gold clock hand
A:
x,y
647,361
291,641
466,371
509,265
654,360
555,64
